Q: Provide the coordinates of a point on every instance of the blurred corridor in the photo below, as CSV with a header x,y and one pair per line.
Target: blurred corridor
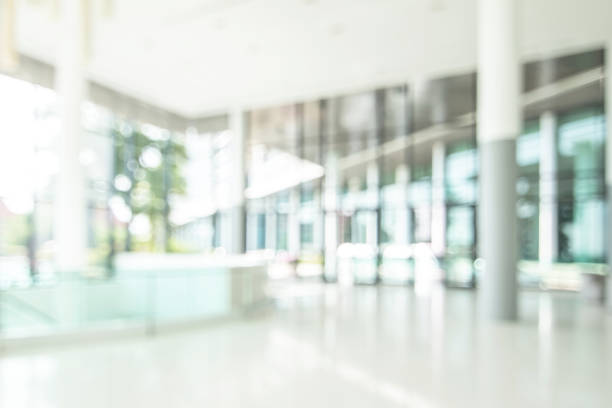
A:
x,y
292,202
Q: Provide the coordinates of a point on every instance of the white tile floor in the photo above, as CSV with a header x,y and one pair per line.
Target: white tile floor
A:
x,y
331,347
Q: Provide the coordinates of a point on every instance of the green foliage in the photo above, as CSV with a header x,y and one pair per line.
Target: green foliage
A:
x,y
16,231
155,170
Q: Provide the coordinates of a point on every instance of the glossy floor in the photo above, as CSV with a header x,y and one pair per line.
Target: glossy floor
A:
x,y
325,346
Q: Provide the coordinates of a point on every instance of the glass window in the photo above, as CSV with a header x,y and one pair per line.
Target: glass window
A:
x,y
581,138
192,205
461,170
528,161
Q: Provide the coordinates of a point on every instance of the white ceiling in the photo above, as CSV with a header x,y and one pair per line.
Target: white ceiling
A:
x,y
195,57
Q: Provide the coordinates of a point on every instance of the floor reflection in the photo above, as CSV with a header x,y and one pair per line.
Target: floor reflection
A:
x,y
331,346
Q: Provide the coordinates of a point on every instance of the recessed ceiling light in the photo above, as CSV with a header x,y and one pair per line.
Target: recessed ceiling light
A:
x,y
220,24
336,29
437,5
252,49
148,43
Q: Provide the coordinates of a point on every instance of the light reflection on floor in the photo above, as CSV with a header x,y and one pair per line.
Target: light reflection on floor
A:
x,y
325,346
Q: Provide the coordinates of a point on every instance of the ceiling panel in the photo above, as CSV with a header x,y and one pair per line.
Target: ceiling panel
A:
x,y
195,57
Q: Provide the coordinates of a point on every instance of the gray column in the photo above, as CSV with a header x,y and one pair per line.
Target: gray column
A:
x,y
499,119
438,204
238,130
70,223
608,102
548,219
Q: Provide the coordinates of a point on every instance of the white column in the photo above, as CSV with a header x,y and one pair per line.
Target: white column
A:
x,y
317,230
372,185
438,205
499,120
271,221
402,178
70,205
8,53
238,130
330,204
608,102
549,225
293,221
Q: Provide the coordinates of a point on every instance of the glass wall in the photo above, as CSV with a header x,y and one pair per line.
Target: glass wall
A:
x,y
461,173
372,178
352,187
581,139
27,109
148,189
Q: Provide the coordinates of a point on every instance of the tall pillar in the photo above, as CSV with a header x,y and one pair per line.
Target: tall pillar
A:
x,y
271,220
373,186
70,217
295,194
548,219
330,201
403,227
330,208
438,203
293,221
237,207
8,53
374,218
608,103
499,119
317,228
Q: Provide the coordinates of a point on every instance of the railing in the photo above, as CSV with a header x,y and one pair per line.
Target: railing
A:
x,y
146,299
